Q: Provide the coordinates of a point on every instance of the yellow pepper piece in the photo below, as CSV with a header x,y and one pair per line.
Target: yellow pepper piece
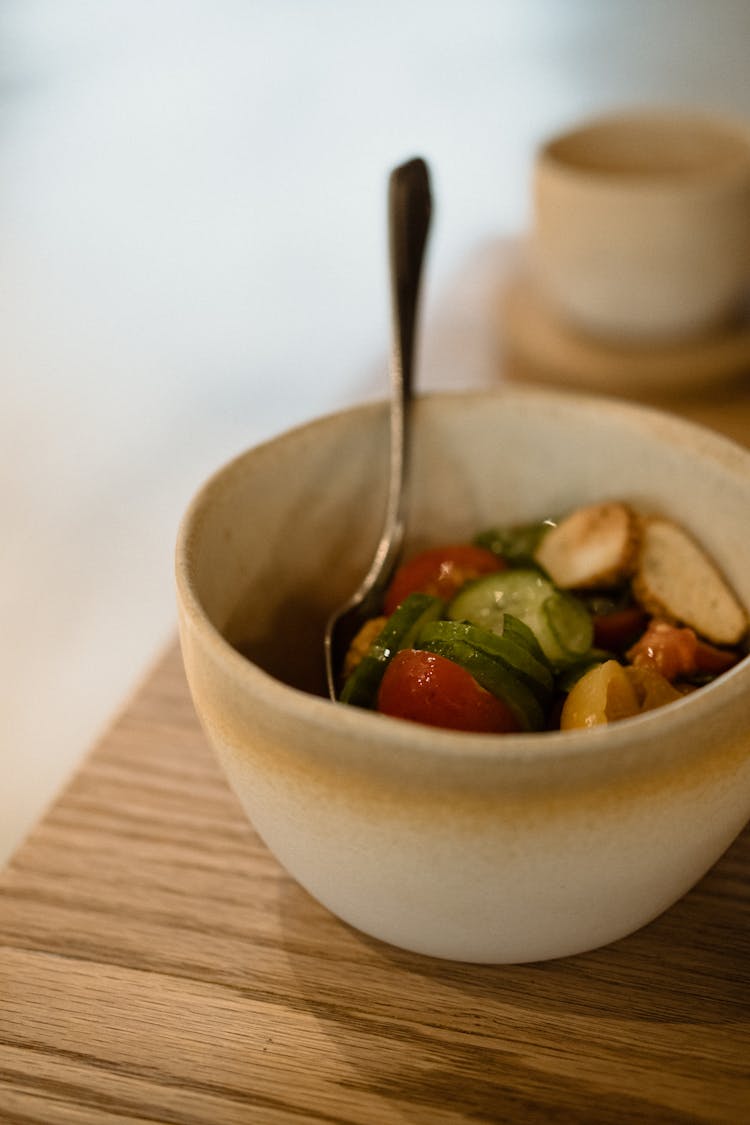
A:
x,y
602,695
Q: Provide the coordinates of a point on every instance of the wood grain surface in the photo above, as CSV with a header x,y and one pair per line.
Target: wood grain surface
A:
x,y
157,965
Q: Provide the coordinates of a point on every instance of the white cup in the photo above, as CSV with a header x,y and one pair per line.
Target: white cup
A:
x,y
642,224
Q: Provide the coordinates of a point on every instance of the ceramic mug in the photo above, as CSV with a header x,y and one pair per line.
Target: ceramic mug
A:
x,y
642,224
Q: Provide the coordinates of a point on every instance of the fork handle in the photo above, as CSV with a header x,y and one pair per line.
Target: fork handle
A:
x,y
409,215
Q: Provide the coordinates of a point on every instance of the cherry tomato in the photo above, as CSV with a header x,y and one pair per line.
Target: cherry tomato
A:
x,y
667,648
440,571
677,653
712,660
427,688
615,631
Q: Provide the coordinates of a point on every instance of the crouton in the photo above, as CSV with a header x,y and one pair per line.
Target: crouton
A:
x,y
593,547
675,580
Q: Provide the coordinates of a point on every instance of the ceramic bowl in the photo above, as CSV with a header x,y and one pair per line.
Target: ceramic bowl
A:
x,y
464,846
642,224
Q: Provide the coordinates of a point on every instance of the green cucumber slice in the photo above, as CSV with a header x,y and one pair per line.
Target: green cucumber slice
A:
x,y
492,674
517,656
399,631
570,623
517,630
515,544
560,623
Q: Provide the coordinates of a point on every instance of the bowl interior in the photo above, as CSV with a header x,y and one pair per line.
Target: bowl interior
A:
x,y
282,535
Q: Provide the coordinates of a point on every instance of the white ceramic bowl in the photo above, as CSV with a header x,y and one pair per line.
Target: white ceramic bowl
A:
x,y
642,224
471,847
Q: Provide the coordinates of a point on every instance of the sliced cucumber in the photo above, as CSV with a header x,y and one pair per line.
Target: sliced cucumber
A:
x,y
523,658
493,674
560,623
485,601
399,631
517,630
570,623
516,544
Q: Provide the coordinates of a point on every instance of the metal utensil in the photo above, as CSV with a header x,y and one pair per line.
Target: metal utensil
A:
x,y
409,212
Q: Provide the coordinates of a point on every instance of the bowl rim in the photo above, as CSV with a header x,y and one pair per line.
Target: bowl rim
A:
x,y
371,727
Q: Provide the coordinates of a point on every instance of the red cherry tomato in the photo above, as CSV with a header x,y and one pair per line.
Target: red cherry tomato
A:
x,y
427,688
676,652
615,631
440,571
667,648
712,660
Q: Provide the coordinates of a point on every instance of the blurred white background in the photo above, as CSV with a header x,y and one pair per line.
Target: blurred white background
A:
x,y
192,232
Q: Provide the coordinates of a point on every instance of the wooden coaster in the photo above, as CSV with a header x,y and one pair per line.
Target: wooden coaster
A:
x,y
548,348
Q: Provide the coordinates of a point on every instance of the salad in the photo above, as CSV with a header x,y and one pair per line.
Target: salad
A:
x,y
596,617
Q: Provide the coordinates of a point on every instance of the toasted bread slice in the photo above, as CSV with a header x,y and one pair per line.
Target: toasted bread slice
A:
x,y
676,580
594,546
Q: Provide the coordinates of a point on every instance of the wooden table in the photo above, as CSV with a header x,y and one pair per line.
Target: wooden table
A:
x,y
156,964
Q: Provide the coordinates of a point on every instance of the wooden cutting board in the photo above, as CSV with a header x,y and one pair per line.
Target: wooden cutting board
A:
x,y
156,964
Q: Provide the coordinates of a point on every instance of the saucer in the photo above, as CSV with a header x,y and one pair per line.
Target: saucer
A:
x,y
546,347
